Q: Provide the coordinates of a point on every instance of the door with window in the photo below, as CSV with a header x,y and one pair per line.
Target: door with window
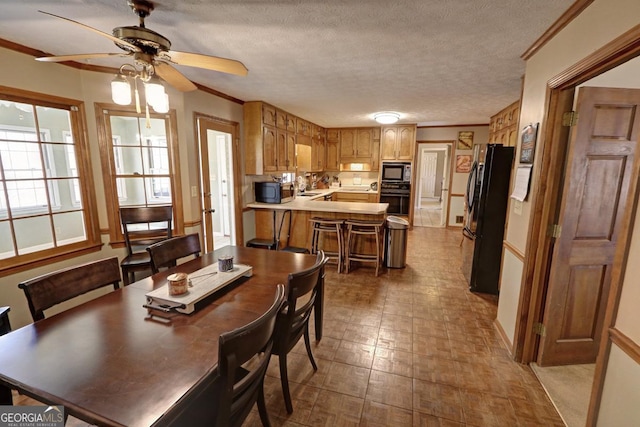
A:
x,y
141,158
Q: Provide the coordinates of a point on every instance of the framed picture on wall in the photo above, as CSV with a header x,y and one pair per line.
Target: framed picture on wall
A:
x,y
465,140
528,143
463,163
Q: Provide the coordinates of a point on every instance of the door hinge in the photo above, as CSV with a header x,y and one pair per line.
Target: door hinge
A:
x,y
570,118
554,231
539,329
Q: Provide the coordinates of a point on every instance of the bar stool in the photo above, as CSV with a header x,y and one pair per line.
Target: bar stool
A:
x,y
363,228
328,227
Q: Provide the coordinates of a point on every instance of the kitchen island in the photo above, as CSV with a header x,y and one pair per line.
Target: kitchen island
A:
x,y
305,207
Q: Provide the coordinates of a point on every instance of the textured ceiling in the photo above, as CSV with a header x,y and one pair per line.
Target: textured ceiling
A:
x,y
333,62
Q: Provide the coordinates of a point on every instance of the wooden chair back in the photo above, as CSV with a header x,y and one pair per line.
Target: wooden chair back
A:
x,y
167,252
146,225
227,393
302,288
50,289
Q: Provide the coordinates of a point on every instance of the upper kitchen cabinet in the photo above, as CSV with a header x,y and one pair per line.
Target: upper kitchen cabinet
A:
x,y
332,150
318,148
503,126
268,148
356,145
398,142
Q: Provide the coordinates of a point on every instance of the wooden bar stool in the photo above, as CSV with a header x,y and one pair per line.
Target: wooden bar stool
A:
x,y
327,227
354,248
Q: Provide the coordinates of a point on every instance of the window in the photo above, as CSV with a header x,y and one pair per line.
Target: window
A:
x,y
46,207
141,160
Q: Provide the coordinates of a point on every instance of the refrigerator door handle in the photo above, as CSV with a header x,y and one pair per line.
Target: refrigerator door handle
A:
x,y
471,183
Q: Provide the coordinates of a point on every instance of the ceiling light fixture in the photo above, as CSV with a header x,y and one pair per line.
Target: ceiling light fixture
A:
x,y
386,118
155,95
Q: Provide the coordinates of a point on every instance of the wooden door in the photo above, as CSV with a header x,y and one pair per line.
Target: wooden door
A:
x,y
597,178
290,161
269,149
388,143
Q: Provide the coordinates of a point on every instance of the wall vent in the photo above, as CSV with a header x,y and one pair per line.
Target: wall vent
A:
x,y
459,219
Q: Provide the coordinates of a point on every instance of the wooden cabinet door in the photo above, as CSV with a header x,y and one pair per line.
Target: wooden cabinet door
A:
x,y
348,139
317,153
290,159
333,135
388,143
333,156
375,156
281,120
364,143
269,149
269,115
406,143
291,123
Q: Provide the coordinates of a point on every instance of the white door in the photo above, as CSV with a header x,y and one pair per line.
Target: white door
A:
x,y
429,166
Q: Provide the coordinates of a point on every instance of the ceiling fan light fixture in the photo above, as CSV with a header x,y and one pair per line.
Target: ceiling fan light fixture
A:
x,y
154,92
386,118
162,107
121,90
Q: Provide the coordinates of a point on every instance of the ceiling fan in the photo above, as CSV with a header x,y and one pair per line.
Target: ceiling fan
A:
x,y
152,51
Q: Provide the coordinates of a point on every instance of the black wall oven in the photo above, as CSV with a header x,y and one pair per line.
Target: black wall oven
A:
x,y
397,195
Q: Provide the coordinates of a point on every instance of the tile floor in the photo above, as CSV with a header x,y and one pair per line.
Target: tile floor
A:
x,y
412,347
429,214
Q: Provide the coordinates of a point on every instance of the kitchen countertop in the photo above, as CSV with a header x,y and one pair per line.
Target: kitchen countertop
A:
x,y
316,203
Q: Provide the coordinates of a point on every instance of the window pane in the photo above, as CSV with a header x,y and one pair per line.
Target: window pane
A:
x,y
27,197
15,114
56,121
126,129
4,214
156,161
159,190
64,194
134,188
158,132
131,160
60,160
28,241
6,244
69,227
21,160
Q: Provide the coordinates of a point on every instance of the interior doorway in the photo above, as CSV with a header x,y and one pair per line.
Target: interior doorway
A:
x,y
432,180
218,180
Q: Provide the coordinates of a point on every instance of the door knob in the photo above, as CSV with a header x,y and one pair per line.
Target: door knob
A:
x,y
208,210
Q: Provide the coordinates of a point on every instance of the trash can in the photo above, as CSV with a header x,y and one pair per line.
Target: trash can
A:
x,y
395,249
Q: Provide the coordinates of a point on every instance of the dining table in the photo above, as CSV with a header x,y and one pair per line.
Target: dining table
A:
x,y
110,362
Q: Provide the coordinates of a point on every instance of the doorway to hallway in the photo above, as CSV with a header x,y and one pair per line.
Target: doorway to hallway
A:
x,y
432,180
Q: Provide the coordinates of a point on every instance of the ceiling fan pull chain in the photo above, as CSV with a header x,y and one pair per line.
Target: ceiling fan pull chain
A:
x,y
135,82
148,119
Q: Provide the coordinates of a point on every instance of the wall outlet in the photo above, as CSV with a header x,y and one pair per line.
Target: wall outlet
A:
x,y
194,191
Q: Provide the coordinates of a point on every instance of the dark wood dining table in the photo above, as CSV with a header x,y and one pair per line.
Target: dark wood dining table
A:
x,y
110,363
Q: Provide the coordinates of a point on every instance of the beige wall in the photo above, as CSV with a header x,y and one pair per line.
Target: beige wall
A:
x,y
600,23
90,87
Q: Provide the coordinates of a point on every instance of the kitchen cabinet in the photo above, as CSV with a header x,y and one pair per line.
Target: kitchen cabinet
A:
x,y
503,126
356,145
340,196
332,151
318,148
269,145
398,142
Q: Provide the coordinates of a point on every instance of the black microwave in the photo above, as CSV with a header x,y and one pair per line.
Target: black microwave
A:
x,y
274,192
396,172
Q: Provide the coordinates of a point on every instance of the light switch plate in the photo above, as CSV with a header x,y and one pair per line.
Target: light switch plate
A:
x,y
194,191
517,207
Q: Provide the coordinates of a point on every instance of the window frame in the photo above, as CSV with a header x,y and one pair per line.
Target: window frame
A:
x,y
92,242
103,112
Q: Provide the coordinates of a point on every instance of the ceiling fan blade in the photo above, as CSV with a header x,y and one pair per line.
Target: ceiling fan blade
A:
x,y
174,77
214,63
114,39
78,57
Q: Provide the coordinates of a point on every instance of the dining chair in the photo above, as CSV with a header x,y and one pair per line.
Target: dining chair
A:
x,y
50,289
142,226
302,288
167,252
226,394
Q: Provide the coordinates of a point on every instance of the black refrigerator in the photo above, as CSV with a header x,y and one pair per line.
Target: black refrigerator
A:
x,y
487,197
